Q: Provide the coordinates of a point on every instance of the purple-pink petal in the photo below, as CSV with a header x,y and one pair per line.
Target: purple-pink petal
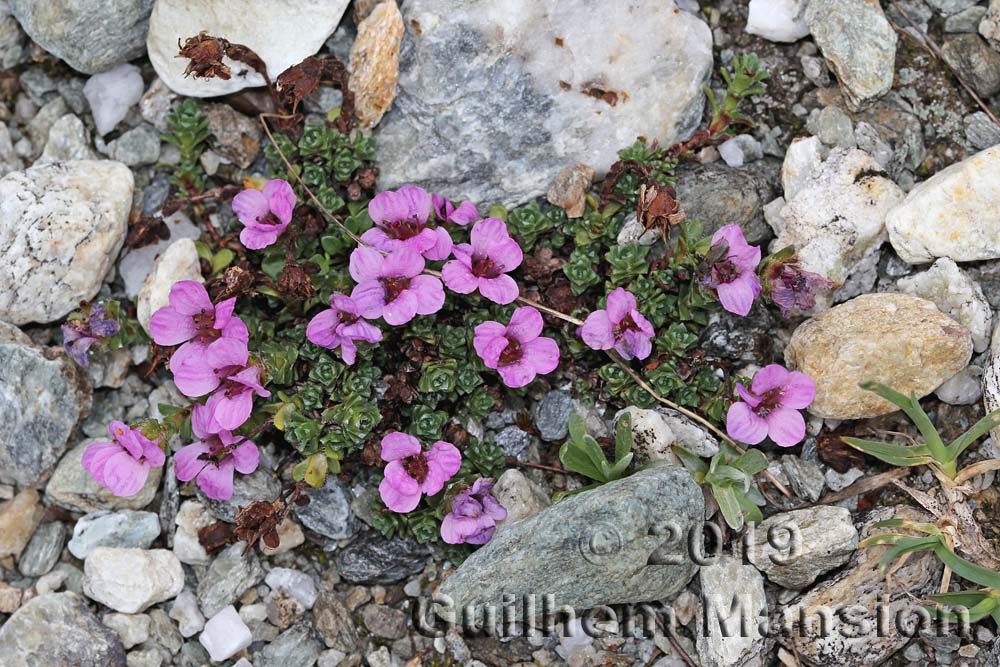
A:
x,y
785,426
458,277
443,461
429,293
402,309
216,479
744,425
800,390
280,198
502,289
403,263
598,331
365,264
246,457
525,324
188,462
398,445
737,296
250,205
542,354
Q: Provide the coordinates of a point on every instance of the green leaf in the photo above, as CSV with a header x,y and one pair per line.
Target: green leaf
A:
x,y
577,427
222,259
897,455
980,428
623,437
911,407
977,574
585,457
729,505
694,463
316,469
751,462
621,465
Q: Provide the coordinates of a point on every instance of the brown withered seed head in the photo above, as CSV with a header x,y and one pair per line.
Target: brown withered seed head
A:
x,y
205,53
294,282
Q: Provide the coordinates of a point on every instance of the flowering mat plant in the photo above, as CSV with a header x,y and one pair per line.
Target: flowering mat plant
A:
x,y
366,333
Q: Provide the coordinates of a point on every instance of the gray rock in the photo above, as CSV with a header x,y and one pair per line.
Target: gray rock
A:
x,y
966,20
44,549
295,647
138,146
740,150
552,415
58,630
384,621
72,487
857,640
513,441
717,195
949,7
740,338
122,529
989,26
43,396
9,159
68,140
981,131
805,477
859,46
689,434
973,60
519,496
328,513
61,227
235,137
133,629
132,580
333,621
534,80
726,585
12,39
229,576
372,559
89,35
41,124
261,485
794,548
624,542
835,128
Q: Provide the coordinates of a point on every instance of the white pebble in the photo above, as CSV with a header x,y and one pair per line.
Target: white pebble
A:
x,y
111,94
225,635
294,584
185,611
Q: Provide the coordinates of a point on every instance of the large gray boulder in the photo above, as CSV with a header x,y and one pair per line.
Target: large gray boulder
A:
x,y
496,97
624,542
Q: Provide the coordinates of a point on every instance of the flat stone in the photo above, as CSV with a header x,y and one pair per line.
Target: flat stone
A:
x,y
795,548
132,580
132,629
372,559
121,529
496,98
296,647
728,584
836,217
89,35
58,630
334,624
43,397
805,477
955,214
901,341
136,264
229,576
980,130
858,44
858,640
328,513
966,20
552,415
61,227
957,295
225,635
384,621
235,137
973,59
19,517
305,26
623,542
569,189
71,487
44,549
137,147
374,62
717,195
179,262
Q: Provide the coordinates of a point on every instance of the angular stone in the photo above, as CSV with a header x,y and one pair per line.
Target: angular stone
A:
x,y
836,218
859,46
372,559
717,195
72,487
58,630
132,629
957,295
328,513
61,227
225,635
229,576
989,26
777,20
137,147
131,580
89,35
552,415
569,190
19,517
901,341
179,262
295,647
111,94
68,140
44,549
495,98
519,496
122,529
652,439
235,137
374,62
305,25
185,611
726,585
261,485
623,542
857,639
333,622
190,519
955,214
974,61
43,396
794,548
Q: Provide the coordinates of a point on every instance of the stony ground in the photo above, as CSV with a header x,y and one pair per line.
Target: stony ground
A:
x,y
860,111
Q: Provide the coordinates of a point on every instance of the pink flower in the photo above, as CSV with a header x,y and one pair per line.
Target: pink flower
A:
x,y
771,407
733,276
264,214
621,326
122,466
340,326
192,319
473,516
401,219
516,351
411,471
465,213
223,369
214,457
483,265
392,286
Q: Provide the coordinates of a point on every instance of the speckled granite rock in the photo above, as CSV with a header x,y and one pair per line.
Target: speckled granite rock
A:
x,y
626,541
899,340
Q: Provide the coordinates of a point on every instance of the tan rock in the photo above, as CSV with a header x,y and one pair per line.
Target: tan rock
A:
x,y
10,598
569,190
19,517
902,341
290,535
375,63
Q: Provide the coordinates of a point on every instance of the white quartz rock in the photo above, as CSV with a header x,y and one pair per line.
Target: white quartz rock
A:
x,y
955,213
281,32
179,262
111,94
777,20
131,580
225,635
61,227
